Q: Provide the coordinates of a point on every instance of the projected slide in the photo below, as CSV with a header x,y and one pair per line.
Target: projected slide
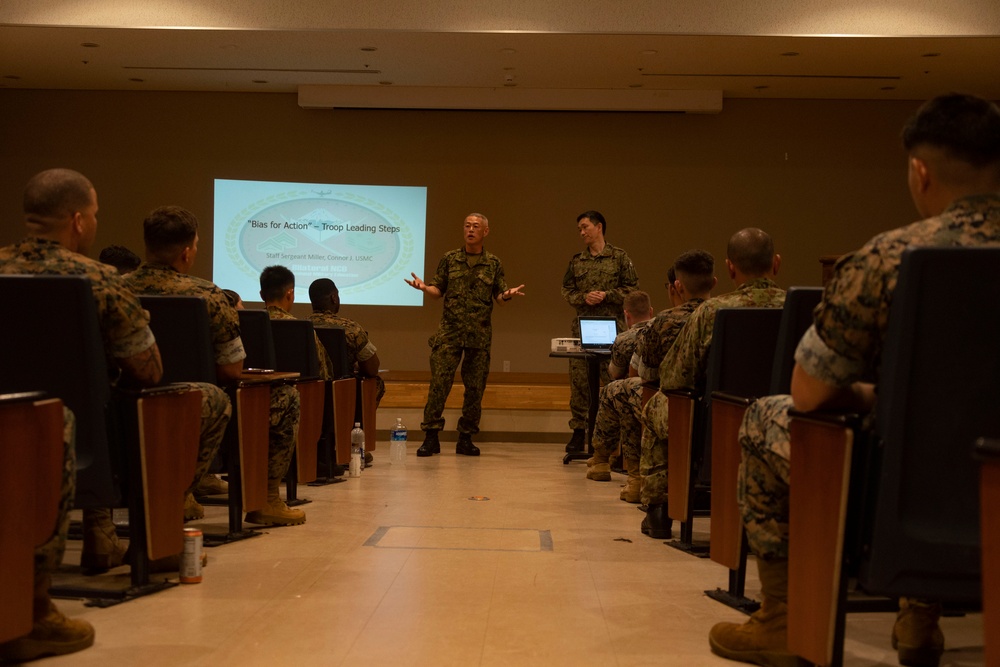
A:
x,y
366,238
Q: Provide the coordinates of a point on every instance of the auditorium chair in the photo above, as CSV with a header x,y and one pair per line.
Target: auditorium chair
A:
x,y
740,359
134,448
728,540
988,454
898,508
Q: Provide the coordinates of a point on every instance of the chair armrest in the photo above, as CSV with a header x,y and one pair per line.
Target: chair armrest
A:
x,y
987,450
682,393
732,399
22,397
846,419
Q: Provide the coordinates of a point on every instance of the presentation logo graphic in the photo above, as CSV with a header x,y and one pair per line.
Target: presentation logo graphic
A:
x,y
354,240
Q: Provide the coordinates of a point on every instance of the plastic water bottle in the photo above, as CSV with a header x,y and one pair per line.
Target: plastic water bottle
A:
x,y
397,444
357,451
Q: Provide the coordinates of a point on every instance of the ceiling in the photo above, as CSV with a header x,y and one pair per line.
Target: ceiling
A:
x,y
476,64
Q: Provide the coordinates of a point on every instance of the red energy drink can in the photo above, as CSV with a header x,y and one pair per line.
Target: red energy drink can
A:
x,y
190,572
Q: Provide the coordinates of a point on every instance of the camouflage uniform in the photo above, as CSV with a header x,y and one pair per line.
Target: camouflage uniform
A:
x,y
325,365
469,284
844,345
225,330
684,367
125,329
359,347
618,410
610,271
654,341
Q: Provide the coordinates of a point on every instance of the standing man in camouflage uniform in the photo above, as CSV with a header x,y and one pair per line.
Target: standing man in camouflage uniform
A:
x,y
595,283
613,424
363,354
470,279
751,262
171,237
60,208
953,144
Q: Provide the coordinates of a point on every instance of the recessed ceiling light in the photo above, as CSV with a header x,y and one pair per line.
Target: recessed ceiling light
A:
x,y
930,55
90,45
649,52
369,48
790,53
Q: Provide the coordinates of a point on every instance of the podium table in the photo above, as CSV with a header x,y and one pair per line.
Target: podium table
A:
x,y
594,359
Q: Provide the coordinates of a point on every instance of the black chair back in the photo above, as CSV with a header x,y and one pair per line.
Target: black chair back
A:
x,y
255,330
295,347
939,390
334,339
52,343
796,317
740,359
180,324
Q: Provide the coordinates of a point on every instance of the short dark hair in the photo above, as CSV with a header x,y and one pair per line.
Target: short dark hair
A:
x,y
751,251
167,230
594,217
275,281
636,303
320,291
965,127
56,194
120,257
671,275
696,271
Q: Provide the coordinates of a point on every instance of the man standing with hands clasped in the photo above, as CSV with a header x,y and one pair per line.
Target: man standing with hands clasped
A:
x,y
470,279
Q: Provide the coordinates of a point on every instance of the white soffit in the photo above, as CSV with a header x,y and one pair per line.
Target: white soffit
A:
x,y
507,99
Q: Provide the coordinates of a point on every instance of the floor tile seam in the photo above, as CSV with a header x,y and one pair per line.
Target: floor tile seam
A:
x,y
604,613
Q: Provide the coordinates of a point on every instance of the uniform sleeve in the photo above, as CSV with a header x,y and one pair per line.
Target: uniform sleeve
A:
x,y
842,345
621,351
325,365
499,282
124,322
225,325
574,296
440,279
684,364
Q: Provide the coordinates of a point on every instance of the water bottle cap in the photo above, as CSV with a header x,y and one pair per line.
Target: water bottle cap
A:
x,y
399,420
357,424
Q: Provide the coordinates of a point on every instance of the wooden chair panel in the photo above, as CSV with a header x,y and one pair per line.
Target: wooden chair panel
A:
x,y
989,485
820,477
311,397
369,392
345,396
169,433
680,422
253,412
31,459
727,524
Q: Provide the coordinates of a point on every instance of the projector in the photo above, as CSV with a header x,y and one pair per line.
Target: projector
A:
x,y
566,345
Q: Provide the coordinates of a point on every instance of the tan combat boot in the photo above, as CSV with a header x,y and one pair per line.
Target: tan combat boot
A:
x,y
210,485
916,636
102,549
633,487
763,640
598,467
193,510
276,512
51,633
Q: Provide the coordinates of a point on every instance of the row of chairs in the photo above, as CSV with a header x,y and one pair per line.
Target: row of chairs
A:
x,y
899,510
136,449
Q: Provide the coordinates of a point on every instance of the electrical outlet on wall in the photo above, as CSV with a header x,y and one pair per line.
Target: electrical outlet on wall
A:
x,y
506,367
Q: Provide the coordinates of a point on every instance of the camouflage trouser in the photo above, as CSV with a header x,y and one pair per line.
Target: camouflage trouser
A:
x,y
762,488
653,460
283,431
618,419
215,413
49,555
475,370
380,390
579,391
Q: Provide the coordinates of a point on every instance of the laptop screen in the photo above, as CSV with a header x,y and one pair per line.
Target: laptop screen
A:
x,y
597,332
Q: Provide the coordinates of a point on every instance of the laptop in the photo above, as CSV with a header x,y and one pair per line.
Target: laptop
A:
x,y
598,333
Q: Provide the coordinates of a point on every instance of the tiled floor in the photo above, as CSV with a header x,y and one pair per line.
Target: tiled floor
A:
x,y
507,559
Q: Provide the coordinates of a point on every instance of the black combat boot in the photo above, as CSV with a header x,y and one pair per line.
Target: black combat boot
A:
x,y
431,444
657,524
465,445
577,442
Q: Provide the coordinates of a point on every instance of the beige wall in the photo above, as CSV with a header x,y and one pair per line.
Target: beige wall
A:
x,y
820,176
